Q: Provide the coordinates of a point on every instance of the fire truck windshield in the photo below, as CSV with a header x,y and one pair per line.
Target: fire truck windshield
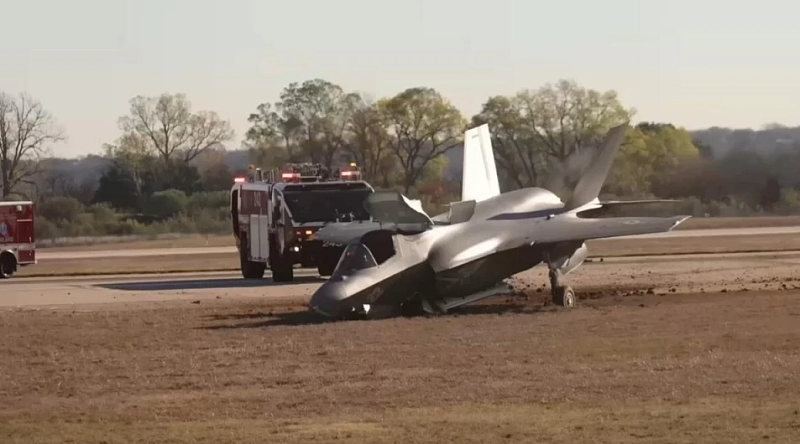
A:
x,y
327,206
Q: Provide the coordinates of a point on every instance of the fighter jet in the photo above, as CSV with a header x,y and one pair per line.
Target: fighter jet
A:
x,y
469,254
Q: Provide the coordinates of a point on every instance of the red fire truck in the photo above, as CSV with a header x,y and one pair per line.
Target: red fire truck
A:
x,y
17,243
276,213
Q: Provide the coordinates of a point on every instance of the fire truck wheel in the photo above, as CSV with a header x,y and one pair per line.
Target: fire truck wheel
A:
x,y
250,269
8,265
253,270
325,269
282,269
327,259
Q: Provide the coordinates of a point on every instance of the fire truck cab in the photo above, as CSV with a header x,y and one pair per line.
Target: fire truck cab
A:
x,y
276,213
17,241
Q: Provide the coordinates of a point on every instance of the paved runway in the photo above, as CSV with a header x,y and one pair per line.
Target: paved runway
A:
x,y
709,272
43,254
58,291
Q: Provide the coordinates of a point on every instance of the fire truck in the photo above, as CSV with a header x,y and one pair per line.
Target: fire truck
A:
x,y
276,213
17,243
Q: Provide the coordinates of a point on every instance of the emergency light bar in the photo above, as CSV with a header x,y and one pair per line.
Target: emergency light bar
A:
x,y
290,176
239,179
349,174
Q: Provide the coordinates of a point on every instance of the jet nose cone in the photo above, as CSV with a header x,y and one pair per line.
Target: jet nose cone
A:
x,y
328,300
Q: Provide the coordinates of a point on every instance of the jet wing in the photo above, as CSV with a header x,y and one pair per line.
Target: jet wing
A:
x,y
343,233
393,207
562,229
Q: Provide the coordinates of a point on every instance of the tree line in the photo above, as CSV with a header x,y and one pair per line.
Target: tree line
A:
x,y
168,154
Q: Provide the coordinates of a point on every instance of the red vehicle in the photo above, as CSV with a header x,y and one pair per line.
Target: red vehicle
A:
x,y
17,241
276,213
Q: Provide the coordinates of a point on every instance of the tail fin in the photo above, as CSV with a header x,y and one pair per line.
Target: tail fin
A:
x,y
479,177
588,188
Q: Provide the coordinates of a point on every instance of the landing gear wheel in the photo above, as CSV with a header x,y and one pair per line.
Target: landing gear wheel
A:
x,y
563,296
413,306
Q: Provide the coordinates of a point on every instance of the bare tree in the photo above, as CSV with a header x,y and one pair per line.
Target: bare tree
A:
x,y
541,136
565,118
370,142
26,132
165,126
310,122
516,151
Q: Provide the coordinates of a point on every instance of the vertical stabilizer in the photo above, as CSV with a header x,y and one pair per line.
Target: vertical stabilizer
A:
x,y
588,187
479,179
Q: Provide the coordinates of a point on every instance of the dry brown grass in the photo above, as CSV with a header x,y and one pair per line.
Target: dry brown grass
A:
x,y
195,241
699,369
227,240
230,261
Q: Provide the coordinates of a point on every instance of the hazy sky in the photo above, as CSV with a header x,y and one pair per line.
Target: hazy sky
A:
x,y
694,63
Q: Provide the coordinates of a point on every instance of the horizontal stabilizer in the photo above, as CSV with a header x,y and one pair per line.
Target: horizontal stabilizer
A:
x,y
563,229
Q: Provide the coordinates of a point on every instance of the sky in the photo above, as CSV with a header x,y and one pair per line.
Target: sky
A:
x,y
692,63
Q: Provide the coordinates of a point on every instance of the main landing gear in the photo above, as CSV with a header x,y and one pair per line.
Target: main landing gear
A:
x,y
563,296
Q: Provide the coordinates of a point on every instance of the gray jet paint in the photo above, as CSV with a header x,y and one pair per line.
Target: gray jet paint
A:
x,y
466,257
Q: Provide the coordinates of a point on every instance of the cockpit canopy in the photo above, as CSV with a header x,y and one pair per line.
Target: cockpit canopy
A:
x,y
356,257
371,250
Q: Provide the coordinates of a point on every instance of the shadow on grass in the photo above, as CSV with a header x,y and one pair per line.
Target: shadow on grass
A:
x,y
265,320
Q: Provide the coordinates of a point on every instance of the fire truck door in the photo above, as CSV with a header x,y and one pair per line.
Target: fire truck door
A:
x,y
259,229
24,235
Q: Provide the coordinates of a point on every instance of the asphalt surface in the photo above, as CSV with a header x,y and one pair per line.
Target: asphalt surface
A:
x,y
43,254
669,273
59,291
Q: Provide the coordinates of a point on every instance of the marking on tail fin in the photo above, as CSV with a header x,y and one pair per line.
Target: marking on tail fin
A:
x,y
479,178
588,188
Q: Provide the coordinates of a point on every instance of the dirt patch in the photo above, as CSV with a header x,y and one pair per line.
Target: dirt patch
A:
x,y
700,368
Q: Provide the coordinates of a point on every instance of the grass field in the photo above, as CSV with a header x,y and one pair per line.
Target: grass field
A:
x,y
230,261
700,369
189,241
